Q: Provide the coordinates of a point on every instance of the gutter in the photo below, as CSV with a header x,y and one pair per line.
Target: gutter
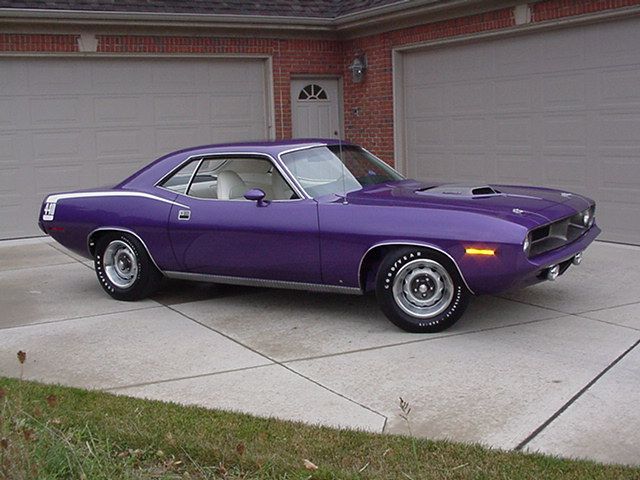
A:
x,y
401,10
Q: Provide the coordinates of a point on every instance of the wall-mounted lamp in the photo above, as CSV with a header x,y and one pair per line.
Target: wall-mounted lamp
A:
x,y
358,67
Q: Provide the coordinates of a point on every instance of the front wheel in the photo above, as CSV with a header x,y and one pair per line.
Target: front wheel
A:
x,y
420,290
123,266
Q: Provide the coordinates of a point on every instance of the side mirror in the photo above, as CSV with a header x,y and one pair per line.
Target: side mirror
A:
x,y
256,195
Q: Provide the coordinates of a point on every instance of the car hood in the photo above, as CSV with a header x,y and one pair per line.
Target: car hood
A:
x,y
529,206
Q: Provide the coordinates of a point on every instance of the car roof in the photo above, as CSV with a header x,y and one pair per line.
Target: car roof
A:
x,y
158,168
273,146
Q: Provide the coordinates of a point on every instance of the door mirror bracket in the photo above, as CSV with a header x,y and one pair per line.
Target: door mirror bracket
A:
x,y
257,195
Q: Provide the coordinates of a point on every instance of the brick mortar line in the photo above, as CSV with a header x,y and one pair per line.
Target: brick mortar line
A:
x,y
573,399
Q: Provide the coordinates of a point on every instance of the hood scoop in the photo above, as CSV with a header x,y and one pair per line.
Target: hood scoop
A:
x,y
454,190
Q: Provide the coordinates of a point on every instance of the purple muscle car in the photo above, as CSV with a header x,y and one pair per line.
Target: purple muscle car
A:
x,y
320,215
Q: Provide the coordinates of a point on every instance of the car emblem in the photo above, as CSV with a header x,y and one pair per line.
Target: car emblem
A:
x,y
517,211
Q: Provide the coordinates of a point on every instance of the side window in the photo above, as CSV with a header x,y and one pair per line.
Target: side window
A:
x,y
179,181
231,178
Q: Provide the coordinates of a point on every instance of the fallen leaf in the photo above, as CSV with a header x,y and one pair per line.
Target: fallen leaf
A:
x,y
37,412
4,443
309,465
2,393
221,470
240,448
52,400
22,356
29,434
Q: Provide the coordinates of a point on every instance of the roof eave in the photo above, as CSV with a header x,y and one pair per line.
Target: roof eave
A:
x,y
48,16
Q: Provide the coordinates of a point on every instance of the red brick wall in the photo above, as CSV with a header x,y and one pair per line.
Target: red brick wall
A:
x,y
552,9
15,42
368,106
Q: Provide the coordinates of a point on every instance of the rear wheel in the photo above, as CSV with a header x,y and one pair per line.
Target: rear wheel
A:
x,y
420,290
123,266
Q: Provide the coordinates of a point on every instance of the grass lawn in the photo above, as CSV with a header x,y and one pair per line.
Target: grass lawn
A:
x,y
51,432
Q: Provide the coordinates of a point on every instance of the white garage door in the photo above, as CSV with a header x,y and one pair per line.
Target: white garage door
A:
x,y
559,108
80,123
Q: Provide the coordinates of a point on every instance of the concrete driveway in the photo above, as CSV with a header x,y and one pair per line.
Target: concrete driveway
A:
x,y
554,368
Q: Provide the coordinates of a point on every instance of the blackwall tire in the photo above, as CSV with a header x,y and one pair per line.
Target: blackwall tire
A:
x,y
123,267
420,290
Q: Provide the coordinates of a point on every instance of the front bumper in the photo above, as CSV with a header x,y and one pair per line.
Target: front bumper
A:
x,y
510,269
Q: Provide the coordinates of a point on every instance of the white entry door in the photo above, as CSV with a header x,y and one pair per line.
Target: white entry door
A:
x,y
315,108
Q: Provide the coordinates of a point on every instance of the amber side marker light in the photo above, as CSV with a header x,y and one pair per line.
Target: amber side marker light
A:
x,y
479,251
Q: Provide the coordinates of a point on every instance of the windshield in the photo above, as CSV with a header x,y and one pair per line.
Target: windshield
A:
x,y
320,170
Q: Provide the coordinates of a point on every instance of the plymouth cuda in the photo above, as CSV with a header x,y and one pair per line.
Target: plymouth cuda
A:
x,y
320,215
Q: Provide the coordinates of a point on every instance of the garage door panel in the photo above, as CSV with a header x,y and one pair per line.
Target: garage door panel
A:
x,y
567,131
516,58
469,132
119,143
54,112
512,94
129,78
618,221
619,129
70,123
172,109
8,111
616,43
564,91
117,110
172,138
510,168
471,97
513,131
235,133
565,171
619,178
562,50
559,108
51,145
50,77
111,173
619,87
424,98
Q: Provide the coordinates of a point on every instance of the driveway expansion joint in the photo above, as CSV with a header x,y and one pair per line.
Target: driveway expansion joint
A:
x,y
421,340
570,402
281,364
81,317
188,377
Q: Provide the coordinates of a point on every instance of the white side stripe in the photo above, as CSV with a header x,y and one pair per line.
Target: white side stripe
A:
x,y
62,196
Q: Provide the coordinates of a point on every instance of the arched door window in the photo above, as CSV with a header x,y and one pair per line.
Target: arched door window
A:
x,y
312,92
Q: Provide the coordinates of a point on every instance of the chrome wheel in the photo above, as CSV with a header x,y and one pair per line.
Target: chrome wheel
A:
x,y
120,264
423,288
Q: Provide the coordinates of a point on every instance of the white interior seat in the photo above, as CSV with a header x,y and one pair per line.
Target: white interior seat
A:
x,y
230,186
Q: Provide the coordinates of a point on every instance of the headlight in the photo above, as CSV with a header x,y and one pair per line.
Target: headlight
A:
x,y
588,217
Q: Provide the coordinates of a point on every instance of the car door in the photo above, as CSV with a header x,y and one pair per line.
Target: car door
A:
x,y
275,240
